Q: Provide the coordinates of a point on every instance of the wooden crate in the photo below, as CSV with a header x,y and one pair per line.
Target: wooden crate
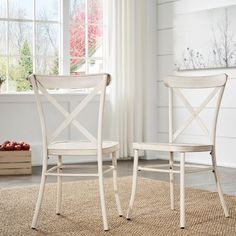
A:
x,y
15,163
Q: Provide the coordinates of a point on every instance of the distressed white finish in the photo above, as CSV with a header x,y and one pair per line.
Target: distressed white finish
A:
x,y
94,146
209,81
176,83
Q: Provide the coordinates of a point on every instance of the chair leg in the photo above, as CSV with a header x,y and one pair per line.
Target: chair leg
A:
x,y
59,187
134,184
182,191
39,201
114,163
172,198
101,191
218,184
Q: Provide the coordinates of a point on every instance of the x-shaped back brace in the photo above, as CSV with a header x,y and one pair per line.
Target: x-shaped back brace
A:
x,y
70,117
194,113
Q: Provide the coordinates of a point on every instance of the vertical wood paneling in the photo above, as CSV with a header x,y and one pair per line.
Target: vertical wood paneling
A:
x,y
165,42
164,13
164,66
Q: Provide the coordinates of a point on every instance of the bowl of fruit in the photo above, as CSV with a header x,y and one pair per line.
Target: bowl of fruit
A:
x,y
14,146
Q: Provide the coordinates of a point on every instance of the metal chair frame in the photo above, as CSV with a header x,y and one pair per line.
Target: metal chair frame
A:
x,y
175,84
93,146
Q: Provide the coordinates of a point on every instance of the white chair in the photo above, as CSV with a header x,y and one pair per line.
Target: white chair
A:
x,y
96,84
175,83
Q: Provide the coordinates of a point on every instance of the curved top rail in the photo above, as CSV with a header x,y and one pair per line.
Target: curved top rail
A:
x,y
70,82
211,81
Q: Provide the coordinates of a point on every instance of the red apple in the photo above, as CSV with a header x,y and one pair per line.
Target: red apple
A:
x,y
14,143
17,147
25,146
9,147
21,143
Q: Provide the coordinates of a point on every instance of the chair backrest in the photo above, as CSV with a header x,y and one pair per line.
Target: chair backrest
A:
x,y
178,83
94,83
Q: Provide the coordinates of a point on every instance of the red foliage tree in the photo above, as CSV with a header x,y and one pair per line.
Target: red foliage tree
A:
x,y
77,31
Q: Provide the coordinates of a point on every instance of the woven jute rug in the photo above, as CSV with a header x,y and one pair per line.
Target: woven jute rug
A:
x,y
81,213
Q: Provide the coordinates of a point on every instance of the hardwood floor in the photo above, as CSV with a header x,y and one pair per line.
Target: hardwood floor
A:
x,y
203,180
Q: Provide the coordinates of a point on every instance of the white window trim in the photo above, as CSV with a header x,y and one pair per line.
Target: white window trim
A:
x,y
64,49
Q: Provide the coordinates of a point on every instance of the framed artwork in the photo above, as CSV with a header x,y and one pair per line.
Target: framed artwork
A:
x,y
205,39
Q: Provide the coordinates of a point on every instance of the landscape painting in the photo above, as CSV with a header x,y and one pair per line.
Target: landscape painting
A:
x,y
205,39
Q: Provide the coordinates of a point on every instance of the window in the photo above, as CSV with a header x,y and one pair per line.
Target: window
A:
x,y
29,42
33,38
88,32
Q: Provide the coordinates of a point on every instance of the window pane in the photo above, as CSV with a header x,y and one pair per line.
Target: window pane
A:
x,y
20,38
47,65
95,11
47,39
77,11
21,9
77,66
77,40
18,64
95,40
47,10
95,66
19,69
3,38
3,69
2,8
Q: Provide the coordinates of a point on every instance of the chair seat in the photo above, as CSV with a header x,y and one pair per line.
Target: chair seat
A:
x,y
72,148
173,147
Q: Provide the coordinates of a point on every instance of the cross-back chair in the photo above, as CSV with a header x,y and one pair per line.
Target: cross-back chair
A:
x,y
95,146
175,85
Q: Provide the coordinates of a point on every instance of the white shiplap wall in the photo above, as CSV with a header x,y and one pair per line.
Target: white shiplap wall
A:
x,y
226,135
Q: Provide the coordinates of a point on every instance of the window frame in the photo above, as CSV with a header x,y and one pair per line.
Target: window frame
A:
x,y
63,22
